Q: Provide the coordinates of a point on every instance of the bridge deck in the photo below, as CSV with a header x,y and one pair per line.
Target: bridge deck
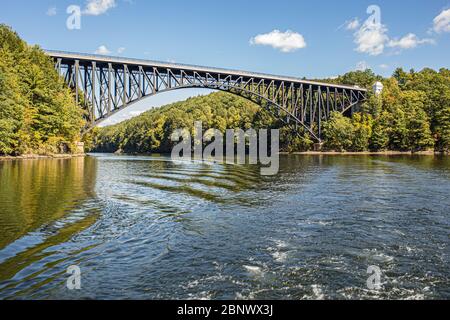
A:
x,y
159,64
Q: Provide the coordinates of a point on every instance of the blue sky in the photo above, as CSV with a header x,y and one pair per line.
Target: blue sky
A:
x,y
313,39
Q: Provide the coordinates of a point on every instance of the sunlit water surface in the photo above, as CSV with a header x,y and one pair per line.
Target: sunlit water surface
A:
x,y
150,228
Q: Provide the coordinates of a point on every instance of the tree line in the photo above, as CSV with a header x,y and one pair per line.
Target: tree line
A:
x,y
411,114
38,113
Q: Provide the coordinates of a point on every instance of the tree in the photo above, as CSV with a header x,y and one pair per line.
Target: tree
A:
x,y
443,129
417,123
379,140
38,113
364,79
338,132
402,77
11,105
362,131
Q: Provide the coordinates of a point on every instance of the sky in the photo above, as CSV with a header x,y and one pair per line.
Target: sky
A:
x,y
312,39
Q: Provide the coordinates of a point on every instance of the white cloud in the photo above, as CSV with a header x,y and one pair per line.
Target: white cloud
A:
x,y
371,38
442,22
98,7
362,66
352,24
51,12
383,66
102,50
121,50
288,41
409,41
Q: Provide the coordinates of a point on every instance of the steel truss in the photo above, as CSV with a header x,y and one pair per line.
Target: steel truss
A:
x,y
105,86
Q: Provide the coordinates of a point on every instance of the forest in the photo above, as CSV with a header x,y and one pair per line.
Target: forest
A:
x,y
411,114
38,113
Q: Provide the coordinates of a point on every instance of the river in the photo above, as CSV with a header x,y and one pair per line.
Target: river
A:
x,y
149,228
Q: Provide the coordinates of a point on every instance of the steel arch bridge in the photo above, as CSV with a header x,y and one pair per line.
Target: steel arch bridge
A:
x,y
106,85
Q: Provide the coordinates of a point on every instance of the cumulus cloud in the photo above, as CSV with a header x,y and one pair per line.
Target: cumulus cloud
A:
x,y
98,7
442,22
288,41
102,50
121,50
409,41
51,12
371,38
383,66
352,24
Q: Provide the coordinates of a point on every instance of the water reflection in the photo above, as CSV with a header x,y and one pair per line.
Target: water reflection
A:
x,y
37,192
150,228
43,206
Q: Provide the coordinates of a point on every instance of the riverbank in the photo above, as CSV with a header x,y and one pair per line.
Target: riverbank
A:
x,y
306,153
319,153
368,153
37,157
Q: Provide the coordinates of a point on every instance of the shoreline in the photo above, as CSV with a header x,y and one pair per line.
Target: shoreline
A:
x,y
41,157
368,153
315,153
302,153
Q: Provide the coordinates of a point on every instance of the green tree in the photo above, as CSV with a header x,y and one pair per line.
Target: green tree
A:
x,y
379,140
338,132
37,111
443,129
402,77
417,123
11,105
362,131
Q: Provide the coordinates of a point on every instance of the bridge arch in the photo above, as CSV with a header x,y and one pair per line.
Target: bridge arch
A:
x,y
106,85
243,93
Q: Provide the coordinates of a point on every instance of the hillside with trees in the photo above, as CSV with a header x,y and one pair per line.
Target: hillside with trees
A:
x,y
38,114
412,114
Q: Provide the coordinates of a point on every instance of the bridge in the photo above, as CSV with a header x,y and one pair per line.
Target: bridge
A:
x,y
105,85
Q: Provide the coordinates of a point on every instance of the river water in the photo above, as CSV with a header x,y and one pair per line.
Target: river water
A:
x,y
150,228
